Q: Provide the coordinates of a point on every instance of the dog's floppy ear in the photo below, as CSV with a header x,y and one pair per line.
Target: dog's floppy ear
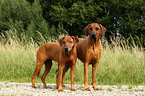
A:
x,y
76,39
103,30
85,30
60,41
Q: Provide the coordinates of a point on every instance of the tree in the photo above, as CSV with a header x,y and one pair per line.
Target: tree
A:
x,y
126,17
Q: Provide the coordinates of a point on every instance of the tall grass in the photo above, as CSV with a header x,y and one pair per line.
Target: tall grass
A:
x,y
120,62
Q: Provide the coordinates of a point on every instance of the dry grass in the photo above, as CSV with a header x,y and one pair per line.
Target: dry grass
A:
x,y
120,63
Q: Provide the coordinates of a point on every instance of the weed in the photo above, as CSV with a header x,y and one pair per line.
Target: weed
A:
x,y
109,89
130,87
119,86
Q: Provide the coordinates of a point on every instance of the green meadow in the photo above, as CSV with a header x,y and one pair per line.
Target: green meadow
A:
x,y
120,63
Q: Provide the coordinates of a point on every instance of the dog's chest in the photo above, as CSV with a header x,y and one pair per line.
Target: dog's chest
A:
x,y
94,54
70,57
94,51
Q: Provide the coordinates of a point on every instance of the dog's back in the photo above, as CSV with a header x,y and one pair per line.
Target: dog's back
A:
x,y
48,51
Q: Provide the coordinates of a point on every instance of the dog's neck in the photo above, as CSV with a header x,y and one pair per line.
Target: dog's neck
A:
x,y
93,42
68,54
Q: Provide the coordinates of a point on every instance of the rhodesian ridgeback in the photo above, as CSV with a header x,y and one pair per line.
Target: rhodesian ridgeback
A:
x,y
89,51
64,53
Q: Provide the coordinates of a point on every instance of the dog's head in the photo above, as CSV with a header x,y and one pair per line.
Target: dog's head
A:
x,y
68,43
94,30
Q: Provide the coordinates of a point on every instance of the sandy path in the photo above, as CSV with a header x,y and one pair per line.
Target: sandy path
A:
x,y
10,88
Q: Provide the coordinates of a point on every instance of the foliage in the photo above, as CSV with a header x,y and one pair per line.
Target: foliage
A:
x,y
25,19
124,17
32,16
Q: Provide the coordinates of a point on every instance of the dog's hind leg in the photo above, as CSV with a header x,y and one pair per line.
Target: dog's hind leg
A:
x,y
37,70
48,65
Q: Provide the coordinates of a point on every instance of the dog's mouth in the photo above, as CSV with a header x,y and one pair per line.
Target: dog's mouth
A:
x,y
66,49
94,36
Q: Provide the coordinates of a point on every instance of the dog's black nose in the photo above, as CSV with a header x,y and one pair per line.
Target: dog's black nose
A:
x,y
66,49
93,35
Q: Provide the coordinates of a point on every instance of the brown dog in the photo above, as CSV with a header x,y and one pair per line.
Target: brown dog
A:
x,y
89,51
64,53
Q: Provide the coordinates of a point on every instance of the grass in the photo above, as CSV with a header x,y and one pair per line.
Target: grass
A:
x,y
117,66
130,87
109,89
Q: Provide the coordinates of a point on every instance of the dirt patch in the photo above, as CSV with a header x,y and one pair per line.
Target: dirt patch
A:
x,y
11,88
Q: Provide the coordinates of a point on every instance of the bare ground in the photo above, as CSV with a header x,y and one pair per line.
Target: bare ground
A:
x,y
11,88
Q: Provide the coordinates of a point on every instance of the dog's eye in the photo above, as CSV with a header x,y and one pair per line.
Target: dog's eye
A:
x,y
97,28
63,42
90,29
70,42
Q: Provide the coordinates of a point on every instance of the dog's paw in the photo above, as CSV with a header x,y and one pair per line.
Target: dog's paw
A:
x,y
96,88
87,89
74,89
33,86
60,90
46,86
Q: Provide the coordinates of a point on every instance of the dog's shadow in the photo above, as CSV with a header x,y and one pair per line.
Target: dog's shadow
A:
x,y
51,87
68,87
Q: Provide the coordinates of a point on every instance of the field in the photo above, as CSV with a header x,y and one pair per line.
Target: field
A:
x,y
120,63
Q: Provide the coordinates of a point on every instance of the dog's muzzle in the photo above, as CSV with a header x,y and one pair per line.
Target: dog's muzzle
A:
x,y
94,36
66,49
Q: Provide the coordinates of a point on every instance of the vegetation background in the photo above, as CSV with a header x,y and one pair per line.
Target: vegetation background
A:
x,y
54,17
27,24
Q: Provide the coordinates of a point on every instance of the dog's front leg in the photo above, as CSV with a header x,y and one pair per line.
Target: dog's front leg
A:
x,y
86,87
72,76
60,72
94,71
